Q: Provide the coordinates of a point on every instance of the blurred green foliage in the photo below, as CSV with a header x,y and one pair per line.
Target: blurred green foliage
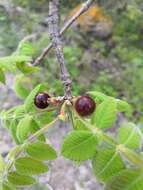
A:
x,y
113,66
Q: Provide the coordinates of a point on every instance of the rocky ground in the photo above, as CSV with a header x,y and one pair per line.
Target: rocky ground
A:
x,y
63,174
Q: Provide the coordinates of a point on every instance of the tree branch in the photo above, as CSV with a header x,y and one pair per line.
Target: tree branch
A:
x,y
57,45
85,6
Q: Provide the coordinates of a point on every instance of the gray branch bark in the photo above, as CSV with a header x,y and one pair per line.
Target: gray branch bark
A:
x,y
55,36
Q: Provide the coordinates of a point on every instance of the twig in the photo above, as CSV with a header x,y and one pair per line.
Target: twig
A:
x,y
57,45
83,9
29,37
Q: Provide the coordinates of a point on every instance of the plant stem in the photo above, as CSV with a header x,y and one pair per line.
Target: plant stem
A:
x,y
42,130
57,45
85,6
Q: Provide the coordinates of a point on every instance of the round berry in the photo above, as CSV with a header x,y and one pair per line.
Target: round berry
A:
x,y
41,100
85,105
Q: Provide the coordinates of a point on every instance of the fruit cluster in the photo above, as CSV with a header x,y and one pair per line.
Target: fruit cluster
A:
x,y
84,105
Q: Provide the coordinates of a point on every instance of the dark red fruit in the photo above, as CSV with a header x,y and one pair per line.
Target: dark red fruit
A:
x,y
85,105
41,100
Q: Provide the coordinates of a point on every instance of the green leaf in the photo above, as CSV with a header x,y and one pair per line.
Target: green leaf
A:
x,y
128,179
7,186
9,63
30,166
79,145
22,86
44,118
20,180
2,76
26,68
131,156
130,135
2,164
78,125
106,163
5,119
123,106
105,115
23,128
34,128
14,151
19,112
25,48
9,115
29,102
13,130
98,96
41,151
